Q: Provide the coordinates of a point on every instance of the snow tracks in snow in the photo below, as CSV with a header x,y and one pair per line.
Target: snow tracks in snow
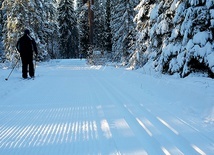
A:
x,y
73,108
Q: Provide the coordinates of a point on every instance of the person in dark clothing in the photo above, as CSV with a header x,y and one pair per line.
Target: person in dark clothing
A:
x,y
26,46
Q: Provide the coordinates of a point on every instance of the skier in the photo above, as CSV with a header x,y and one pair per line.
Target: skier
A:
x,y
26,46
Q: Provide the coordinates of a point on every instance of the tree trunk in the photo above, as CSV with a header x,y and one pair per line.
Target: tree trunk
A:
x,y
90,4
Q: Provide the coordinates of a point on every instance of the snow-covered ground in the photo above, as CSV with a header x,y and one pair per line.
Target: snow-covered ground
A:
x,y
72,108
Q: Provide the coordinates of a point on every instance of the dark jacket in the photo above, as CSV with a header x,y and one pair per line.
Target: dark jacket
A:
x,y
26,45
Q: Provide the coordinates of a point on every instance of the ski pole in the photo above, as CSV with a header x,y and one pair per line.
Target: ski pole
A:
x,y
35,65
12,70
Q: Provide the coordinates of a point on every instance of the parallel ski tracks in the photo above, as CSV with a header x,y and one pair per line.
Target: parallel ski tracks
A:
x,y
164,132
51,129
116,124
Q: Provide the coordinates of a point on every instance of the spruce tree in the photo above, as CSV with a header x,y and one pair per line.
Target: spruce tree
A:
x,y
1,26
19,15
51,28
102,30
108,35
16,18
99,19
67,29
176,36
83,27
122,26
38,19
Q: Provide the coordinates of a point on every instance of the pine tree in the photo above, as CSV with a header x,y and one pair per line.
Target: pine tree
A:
x,y
67,29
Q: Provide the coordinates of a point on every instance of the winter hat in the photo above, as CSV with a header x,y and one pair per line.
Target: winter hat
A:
x,y
26,31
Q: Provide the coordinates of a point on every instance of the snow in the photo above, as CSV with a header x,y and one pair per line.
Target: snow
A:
x,y
193,2
75,108
212,22
175,33
174,5
162,27
179,13
209,4
201,38
212,13
154,12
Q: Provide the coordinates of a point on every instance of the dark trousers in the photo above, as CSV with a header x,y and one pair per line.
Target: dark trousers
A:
x,y
27,65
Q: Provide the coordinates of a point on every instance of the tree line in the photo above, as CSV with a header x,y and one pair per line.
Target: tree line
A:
x,y
62,28
173,36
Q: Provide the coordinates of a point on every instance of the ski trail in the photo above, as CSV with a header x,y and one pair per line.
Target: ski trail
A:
x,y
124,131
81,109
165,134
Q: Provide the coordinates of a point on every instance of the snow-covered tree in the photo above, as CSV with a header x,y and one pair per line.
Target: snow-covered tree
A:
x,y
1,26
83,28
102,30
99,24
153,25
10,28
38,24
51,28
108,35
175,35
67,29
190,47
122,26
19,15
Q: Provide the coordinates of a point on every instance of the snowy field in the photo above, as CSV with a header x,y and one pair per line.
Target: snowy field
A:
x,y
72,108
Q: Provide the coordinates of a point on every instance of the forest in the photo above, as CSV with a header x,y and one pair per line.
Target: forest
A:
x,y
170,36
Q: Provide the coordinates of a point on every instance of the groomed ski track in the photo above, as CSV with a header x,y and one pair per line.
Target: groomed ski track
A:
x,y
72,108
